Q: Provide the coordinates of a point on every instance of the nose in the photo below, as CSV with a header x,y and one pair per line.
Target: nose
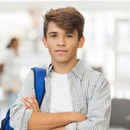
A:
x,y
61,41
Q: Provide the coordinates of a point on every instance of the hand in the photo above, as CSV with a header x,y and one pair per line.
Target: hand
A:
x,y
79,117
31,103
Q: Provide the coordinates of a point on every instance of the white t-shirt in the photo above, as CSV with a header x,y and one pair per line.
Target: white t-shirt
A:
x,y
60,98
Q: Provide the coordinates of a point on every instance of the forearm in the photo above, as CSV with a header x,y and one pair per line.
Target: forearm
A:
x,y
48,121
60,128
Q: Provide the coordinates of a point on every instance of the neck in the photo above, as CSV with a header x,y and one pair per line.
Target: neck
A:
x,y
64,68
16,51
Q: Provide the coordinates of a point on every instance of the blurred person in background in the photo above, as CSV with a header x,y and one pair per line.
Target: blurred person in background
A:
x,y
10,79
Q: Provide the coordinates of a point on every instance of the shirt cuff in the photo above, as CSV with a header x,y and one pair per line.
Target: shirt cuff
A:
x,y
22,120
28,113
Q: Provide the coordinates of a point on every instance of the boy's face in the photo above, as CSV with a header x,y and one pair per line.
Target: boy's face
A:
x,y
62,45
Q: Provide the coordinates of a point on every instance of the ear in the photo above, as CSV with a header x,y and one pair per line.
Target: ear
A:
x,y
44,42
81,42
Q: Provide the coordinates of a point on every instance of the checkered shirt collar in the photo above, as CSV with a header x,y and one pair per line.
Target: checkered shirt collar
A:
x,y
77,70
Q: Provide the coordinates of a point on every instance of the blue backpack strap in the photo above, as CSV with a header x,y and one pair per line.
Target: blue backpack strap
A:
x,y
39,83
7,121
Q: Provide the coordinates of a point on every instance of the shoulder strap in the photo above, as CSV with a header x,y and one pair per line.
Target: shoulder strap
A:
x,y
39,83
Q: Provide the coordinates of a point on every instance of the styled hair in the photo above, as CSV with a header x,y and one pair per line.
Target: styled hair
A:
x,y
11,42
68,19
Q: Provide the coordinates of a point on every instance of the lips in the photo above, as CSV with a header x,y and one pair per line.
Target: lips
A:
x,y
61,51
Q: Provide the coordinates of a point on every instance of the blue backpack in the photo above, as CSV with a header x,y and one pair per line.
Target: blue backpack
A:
x,y
39,83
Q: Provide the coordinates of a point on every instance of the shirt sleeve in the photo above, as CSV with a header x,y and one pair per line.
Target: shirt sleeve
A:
x,y
20,116
99,108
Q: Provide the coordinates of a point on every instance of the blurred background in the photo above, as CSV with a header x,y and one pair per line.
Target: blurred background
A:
x,y
106,49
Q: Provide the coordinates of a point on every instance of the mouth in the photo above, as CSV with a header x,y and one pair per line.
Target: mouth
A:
x,y
61,51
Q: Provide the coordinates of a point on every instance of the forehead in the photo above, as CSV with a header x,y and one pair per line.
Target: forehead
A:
x,y
52,27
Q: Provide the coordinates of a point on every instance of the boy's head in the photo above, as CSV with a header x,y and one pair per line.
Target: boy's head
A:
x,y
68,19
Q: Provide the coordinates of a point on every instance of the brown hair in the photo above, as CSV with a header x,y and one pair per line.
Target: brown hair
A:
x,y
11,42
67,19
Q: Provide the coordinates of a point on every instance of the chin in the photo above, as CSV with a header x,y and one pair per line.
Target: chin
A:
x,y
62,60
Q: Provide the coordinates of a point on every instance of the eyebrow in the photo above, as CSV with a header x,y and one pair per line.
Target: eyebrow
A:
x,y
57,32
52,33
69,33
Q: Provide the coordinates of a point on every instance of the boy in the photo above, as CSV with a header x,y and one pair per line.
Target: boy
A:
x,y
76,98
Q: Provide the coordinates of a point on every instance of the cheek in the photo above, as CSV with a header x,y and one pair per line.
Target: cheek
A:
x,y
50,48
73,46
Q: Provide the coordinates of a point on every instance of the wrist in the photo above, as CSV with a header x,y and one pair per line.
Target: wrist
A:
x,y
73,116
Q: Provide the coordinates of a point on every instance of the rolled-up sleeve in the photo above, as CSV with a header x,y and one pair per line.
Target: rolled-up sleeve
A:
x,y
20,116
99,108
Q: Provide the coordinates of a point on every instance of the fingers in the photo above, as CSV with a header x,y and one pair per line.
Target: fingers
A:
x,y
35,101
25,106
28,102
31,103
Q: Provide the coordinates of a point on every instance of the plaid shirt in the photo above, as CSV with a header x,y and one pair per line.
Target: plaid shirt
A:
x,y
89,92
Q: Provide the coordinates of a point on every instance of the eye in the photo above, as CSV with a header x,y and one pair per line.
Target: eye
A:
x,y
68,35
53,35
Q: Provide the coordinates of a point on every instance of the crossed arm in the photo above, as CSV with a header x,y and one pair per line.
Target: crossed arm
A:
x,y
49,121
